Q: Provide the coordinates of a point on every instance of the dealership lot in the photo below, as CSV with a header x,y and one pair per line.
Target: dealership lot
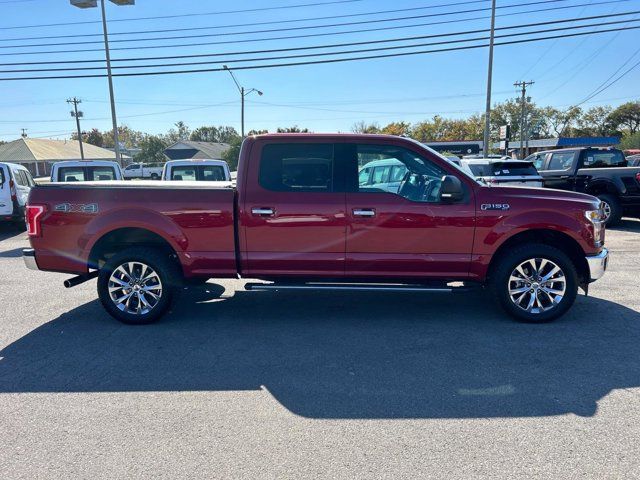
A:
x,y
312,385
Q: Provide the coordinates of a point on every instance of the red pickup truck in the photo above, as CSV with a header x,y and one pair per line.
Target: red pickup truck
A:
x,y
331,211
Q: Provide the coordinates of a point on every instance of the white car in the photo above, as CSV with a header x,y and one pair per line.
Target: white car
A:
x,y
143,170
503,172
85,171
15,185
197,170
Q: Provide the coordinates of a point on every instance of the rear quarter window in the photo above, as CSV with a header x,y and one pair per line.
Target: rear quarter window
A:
x,y
604,159
297,167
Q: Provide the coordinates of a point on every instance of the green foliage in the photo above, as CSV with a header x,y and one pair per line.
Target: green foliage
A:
x,y
294,129
232,154
180,133
221,134
630,141
363,127
627,117
152,150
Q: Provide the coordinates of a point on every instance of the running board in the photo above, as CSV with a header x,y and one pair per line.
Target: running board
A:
x,y
354,287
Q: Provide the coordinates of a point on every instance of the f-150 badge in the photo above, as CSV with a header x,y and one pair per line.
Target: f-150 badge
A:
x,y
495,206
76,208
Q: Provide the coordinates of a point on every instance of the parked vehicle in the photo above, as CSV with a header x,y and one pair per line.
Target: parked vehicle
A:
x,y
601,172
15,184
382,175
197,170
151,171
633,161
516,173
85,171
300,218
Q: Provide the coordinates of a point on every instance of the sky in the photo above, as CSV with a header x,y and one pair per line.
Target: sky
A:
x,y
328,97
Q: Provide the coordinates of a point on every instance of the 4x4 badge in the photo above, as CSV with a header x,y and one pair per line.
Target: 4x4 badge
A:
x,y
76,208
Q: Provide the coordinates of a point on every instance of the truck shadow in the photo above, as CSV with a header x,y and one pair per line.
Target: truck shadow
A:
x,y
627,225
358,355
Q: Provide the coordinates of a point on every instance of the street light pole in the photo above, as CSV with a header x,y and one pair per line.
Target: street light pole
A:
x,y
487,112
243,93
92,4
114,121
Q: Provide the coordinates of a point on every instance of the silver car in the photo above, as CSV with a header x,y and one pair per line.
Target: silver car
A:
x,y
503,172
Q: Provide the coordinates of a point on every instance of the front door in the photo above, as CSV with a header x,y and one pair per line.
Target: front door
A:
x,y
558,170
292,215
405,229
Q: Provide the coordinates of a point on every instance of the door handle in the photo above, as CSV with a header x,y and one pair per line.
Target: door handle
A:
x,y
262,212
564,177
364,212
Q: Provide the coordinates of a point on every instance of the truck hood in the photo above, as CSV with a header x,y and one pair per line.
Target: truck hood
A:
x,y
534,194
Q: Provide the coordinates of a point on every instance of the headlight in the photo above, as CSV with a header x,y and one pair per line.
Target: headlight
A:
x,y
594,216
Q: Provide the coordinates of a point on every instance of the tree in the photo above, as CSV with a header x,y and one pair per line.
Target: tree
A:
x,y
294,129
180,133
595,122
232,154
363,127
630,141
400,129
152,150
94,137
221,134
258,132
626,117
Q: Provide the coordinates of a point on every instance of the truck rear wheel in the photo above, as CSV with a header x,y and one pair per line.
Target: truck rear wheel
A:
x,y
535,283
137,285
612,209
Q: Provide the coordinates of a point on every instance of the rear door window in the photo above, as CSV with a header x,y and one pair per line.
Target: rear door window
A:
x,y
102,173
561,161
71,174
186,173
21,178
211,173
297,167
604,159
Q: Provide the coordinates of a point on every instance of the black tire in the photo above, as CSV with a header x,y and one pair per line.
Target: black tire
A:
x,y
615,208
499,283
154,176
169,280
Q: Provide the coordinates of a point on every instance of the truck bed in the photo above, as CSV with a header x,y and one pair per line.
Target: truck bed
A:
x,y
196,217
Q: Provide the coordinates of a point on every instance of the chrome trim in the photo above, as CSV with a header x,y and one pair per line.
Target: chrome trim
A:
x,y
262,211
29,257
598,264
364,212
338,287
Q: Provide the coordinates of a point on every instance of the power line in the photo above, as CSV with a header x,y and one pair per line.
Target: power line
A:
x,y
202,14
323,54
227,34
318,62
378,29
272,22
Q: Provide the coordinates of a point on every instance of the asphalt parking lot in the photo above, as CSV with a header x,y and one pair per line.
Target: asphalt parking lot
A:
x,y
236,384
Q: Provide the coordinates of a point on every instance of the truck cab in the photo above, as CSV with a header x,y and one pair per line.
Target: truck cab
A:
x,y
200,170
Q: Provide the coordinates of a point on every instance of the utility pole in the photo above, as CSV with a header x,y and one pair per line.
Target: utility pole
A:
x,y
523,105
75,113
114,121
24,133
487,112
243,93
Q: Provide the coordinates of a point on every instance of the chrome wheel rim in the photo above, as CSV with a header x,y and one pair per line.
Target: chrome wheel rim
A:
x,y
135,288
537,285
606,210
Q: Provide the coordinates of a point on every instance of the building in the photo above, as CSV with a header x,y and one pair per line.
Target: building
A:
x,y
537,145
187,149
38,154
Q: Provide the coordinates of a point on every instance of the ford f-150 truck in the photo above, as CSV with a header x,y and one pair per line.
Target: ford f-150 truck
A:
x,y
300,219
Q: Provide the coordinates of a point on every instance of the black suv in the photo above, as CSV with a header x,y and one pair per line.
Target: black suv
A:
x,y
603,173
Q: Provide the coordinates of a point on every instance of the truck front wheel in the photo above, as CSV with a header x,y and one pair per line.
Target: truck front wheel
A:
x,y
612,209
535,283
137,285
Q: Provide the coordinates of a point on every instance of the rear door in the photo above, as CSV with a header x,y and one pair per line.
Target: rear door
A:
x,y
23,183
559,170
408,232
292,213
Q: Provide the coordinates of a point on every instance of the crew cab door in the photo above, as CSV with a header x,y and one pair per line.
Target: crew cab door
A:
x,y
292,211
406,230
559,170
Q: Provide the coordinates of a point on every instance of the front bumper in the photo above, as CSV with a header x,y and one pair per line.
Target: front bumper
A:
x,y
598,264
29,257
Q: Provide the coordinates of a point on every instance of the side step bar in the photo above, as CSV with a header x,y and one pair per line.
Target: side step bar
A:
x,y
376,287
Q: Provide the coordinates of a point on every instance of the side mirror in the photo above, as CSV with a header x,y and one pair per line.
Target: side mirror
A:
x,y
451,189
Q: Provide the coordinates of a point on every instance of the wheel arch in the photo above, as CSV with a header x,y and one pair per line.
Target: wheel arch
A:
x,y
553,238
